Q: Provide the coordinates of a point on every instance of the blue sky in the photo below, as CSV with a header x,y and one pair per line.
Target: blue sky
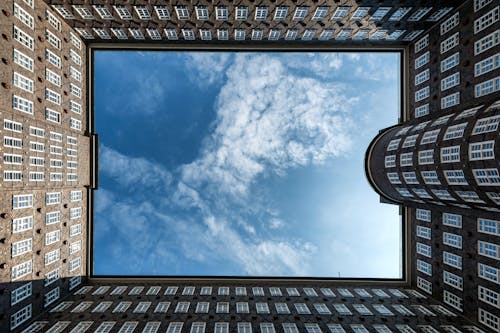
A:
x,y
242,164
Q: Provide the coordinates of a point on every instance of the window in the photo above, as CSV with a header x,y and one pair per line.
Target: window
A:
x,y
455,177
290,328
52,237
281,308
362,309
424,285
55,98
487,226
244,327
20,270
171,291
221,13
242,307
75,57
410,177
450,154
450,100
22,104
452,240
327,292
321,308
51,296
23,60
430,177
142,307
488,250
358,328
422,77
452,280
422,60
308,34
485,125
22,201
482,150
342,309
410,141
426,157
360,13
105,327
292,292
262,307
22,224
401,309
430,137
486,42
20,293
36,176
74,264
275,291
452,259
75,230
20,316
300,13
486,20
198,327
52,58
406,159
280,13
23,38
487,87
424,250
452,220
239,34
422,94
380,13
302,308
382,310
450,23
312,328
487,65
486,177
489,296
222,307
122,307
404,192
52,39
450,81
274,34
489,273
22,82
261,13
52,256
162,307
221,327
424,267
390,161
450,62
489,319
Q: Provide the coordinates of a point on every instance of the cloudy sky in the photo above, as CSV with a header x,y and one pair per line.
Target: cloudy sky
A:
x,y
242,164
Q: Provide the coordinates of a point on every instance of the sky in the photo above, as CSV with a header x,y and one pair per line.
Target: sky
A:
x,y
242,164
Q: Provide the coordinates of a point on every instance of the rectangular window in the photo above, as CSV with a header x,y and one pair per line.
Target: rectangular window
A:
x,y
52,58
453,280
22,104
453,300
426,157
422,60
487,87
485,125
486,20
486,177
450,23
202,13
422,94
12,126
488,250
487,65
452,220
21,224
452,240
20,293
23,38
55,98
489,296
390,161
51,296
22,201
430,137
482,150
452,260
52,39
406,159
430,177
424,267
455,177
75,124
421,43
22,82
52,276
52,198
487,226
410,141
75,57
20,316
23,60
423,215
52,217
393,178
424,250
52,237
424,285
450,100
422,77
450,81
450,154
22,247
487,42
21,270
423,232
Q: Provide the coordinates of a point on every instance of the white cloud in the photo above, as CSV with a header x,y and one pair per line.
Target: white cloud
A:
x,y
275,223
206,68
269,119
132,171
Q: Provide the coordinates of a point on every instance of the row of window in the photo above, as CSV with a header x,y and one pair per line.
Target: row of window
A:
x,y
222,13
243,34
26,268
240,327
20,201
242,291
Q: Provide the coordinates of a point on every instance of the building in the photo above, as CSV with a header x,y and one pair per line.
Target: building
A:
x,y
440,164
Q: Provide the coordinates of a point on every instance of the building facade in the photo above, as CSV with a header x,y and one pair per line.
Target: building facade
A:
x,y
440,163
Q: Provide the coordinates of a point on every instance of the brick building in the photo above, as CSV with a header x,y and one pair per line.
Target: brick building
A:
x,y
440,164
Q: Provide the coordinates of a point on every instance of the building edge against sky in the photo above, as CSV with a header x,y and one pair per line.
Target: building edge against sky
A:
x,y
49,170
